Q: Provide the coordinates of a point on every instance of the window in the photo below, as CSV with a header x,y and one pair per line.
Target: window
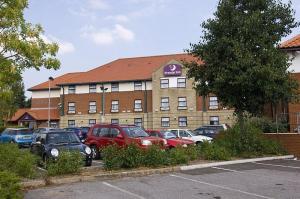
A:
x,y
181,82
71,89
165,122
182,104
137,105
115,121
114,87
138,122
114,132
92,122
71,108
164,104
104,132
164,83
93,88
114,106
183,133
92,107
213,103
214,120
182,121
71,123
138,86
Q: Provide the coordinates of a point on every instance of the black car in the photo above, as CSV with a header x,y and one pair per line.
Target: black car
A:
x,y
82,134
48,145
211,130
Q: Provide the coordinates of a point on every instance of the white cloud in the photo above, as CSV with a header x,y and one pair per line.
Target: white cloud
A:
x,y
107,36
98,4
65,47
117,18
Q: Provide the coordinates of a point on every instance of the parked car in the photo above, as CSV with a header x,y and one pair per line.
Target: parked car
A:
x,y
172,140
21,136
41,130
79,132
48,145
210,130
188,134
102,135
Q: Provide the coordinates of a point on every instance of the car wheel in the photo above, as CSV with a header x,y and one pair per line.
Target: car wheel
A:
x,y
95,152
45,161
88,163
12,142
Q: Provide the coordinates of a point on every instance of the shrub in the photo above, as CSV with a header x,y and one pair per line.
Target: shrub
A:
x,y
212,151
178,155
112,157
268,126
20,162
132,156
9,186
192,152
154,157
69,162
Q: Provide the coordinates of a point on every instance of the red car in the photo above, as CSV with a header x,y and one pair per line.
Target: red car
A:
x,y
172,140
102,135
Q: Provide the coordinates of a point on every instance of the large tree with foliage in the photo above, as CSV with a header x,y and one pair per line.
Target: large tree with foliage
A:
x,y
243,65
21,47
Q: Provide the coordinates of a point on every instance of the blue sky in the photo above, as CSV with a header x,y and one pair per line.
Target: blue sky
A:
x,y
93,32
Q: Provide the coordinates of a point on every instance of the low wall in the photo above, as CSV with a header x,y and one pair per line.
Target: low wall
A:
x,y
290,141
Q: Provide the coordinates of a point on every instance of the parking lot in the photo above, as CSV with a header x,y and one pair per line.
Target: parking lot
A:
x,y
266,179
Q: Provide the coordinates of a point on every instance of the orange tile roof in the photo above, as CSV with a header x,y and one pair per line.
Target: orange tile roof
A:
x,y
37,114
57,80
291,43
127,69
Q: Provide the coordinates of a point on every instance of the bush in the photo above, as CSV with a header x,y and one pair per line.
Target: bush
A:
x,y
20,162
132,156
69,162
9,186
178,155
112,157
268,126
192,152
247,142
154,157
212,151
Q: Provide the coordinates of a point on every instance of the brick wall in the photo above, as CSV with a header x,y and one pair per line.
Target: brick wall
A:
x,y
290,141
43,102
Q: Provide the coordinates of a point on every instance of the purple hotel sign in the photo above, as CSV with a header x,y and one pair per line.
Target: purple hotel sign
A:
x,y
172,70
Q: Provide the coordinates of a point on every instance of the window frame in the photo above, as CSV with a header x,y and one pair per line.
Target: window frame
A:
x,y
72,89
73,125
138,122
90,110
168,83
71,111
112,110
182,123
92,89
182,107
162,122
138,109
91,124
114,119
213,104
138,87
179,83
115,87
164,108
214,122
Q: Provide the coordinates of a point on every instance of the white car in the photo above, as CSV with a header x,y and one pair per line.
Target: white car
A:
x,y
188,134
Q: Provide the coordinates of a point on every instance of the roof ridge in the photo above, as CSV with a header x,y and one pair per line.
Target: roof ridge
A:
x,y
153,56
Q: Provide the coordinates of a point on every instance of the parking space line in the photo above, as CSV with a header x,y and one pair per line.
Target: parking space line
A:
x,y
222,187
98,162
276,165
123,190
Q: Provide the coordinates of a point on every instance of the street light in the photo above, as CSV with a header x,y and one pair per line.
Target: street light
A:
x,y
103,102
49,99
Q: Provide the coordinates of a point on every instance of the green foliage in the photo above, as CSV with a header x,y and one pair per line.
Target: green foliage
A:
x,y
243,65
247,142
178,155
68,162
192,152
212,151
9,186
112,157
155,157
268,126
132,156
14,160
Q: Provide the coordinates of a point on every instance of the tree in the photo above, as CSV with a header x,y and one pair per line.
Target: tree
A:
x,y
21,47
243,65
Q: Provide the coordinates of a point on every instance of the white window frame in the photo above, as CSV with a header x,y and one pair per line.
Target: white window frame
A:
x,y
214,120
92,107
164,85
71,89
182,103
114,121
92,122
165,122
93,88
138,122
71,107
115,106
164,103
71,123
213,103
182,121
115,87
138,105
181,84
138,86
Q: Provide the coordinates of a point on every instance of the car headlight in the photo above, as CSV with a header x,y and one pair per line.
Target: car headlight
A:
x,y
165,142
184,145
146,142
54,152
88,150
17,137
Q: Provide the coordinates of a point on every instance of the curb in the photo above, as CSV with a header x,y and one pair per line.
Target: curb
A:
x,y
215,164
92,176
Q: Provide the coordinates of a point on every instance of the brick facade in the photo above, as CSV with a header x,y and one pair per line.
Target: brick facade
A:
x,y
44,103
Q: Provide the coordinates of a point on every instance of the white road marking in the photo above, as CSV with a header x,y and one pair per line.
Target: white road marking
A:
x,y
123,190
276,165
222,187
98,162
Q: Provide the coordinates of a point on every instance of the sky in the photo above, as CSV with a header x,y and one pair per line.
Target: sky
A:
x,y
91,33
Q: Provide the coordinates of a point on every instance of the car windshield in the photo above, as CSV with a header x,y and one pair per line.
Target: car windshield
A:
x,y
191,132
62,137
168,135
21,132
135,132
85,129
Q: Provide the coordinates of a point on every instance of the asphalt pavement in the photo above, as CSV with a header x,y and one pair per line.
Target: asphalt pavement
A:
x,y
266,179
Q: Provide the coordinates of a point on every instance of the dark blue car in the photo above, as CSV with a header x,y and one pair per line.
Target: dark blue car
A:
x,y
48,145
81,133
23,136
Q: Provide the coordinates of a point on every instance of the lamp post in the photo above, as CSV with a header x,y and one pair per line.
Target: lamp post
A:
x,y
103,102
49,99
